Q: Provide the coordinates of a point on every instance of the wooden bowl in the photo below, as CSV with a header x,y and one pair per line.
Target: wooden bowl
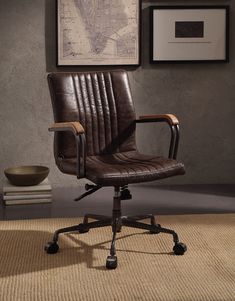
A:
x,y
26,175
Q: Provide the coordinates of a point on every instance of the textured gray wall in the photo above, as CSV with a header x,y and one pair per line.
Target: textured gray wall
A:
x,y
201,95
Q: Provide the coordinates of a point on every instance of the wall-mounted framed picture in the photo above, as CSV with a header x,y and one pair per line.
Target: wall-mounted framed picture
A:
x,y
98,33
189,34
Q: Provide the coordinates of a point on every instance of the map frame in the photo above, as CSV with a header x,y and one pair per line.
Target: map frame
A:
x,y
94,59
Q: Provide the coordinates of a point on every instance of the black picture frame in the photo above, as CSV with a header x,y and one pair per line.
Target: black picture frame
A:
x,y
97,64
177,44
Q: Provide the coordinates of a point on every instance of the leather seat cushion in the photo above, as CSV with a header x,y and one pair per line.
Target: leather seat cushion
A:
x,y
124,168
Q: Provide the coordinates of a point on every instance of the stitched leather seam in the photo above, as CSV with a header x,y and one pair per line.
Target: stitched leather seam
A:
x,y
156,170
94,114
75,91
106,92
81,112
90,115
115,103
129,162
82,102
87,108
152,174
120,170
139,161
104,113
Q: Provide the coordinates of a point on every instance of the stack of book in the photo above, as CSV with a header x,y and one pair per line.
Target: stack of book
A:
x,y
22,195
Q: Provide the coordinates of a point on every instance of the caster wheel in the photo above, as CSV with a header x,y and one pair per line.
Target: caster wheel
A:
x,y
179,248
111,262
83,229
51,247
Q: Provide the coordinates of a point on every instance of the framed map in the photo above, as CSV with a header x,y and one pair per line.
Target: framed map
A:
x,y
98,32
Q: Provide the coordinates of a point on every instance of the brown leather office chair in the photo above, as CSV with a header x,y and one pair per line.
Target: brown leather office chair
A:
x,y
95,138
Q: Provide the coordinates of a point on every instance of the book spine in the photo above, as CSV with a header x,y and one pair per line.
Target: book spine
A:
x,y
26,197
28,192
27,202
8,189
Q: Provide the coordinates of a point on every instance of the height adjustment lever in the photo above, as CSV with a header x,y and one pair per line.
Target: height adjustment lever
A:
x,y
90,189
90,186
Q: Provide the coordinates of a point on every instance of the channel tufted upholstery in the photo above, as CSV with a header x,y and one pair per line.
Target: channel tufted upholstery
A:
x,y
102,103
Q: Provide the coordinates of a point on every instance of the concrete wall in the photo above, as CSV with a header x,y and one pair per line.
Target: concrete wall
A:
x,y
201,95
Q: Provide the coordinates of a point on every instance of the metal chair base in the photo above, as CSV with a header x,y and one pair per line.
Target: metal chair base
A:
x,y
117,221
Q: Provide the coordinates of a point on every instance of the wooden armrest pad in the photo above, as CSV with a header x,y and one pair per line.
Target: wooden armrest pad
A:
x,y
73,126
170,118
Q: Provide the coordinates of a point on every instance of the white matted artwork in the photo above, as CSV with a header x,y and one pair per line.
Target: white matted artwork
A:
x,y
98,32
189,33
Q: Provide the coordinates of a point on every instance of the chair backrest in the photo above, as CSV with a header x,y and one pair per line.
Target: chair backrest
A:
x,y
102,103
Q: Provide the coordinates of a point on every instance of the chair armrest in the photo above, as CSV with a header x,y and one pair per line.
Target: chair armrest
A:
x,y
73,126
174,126
169,118
79,133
